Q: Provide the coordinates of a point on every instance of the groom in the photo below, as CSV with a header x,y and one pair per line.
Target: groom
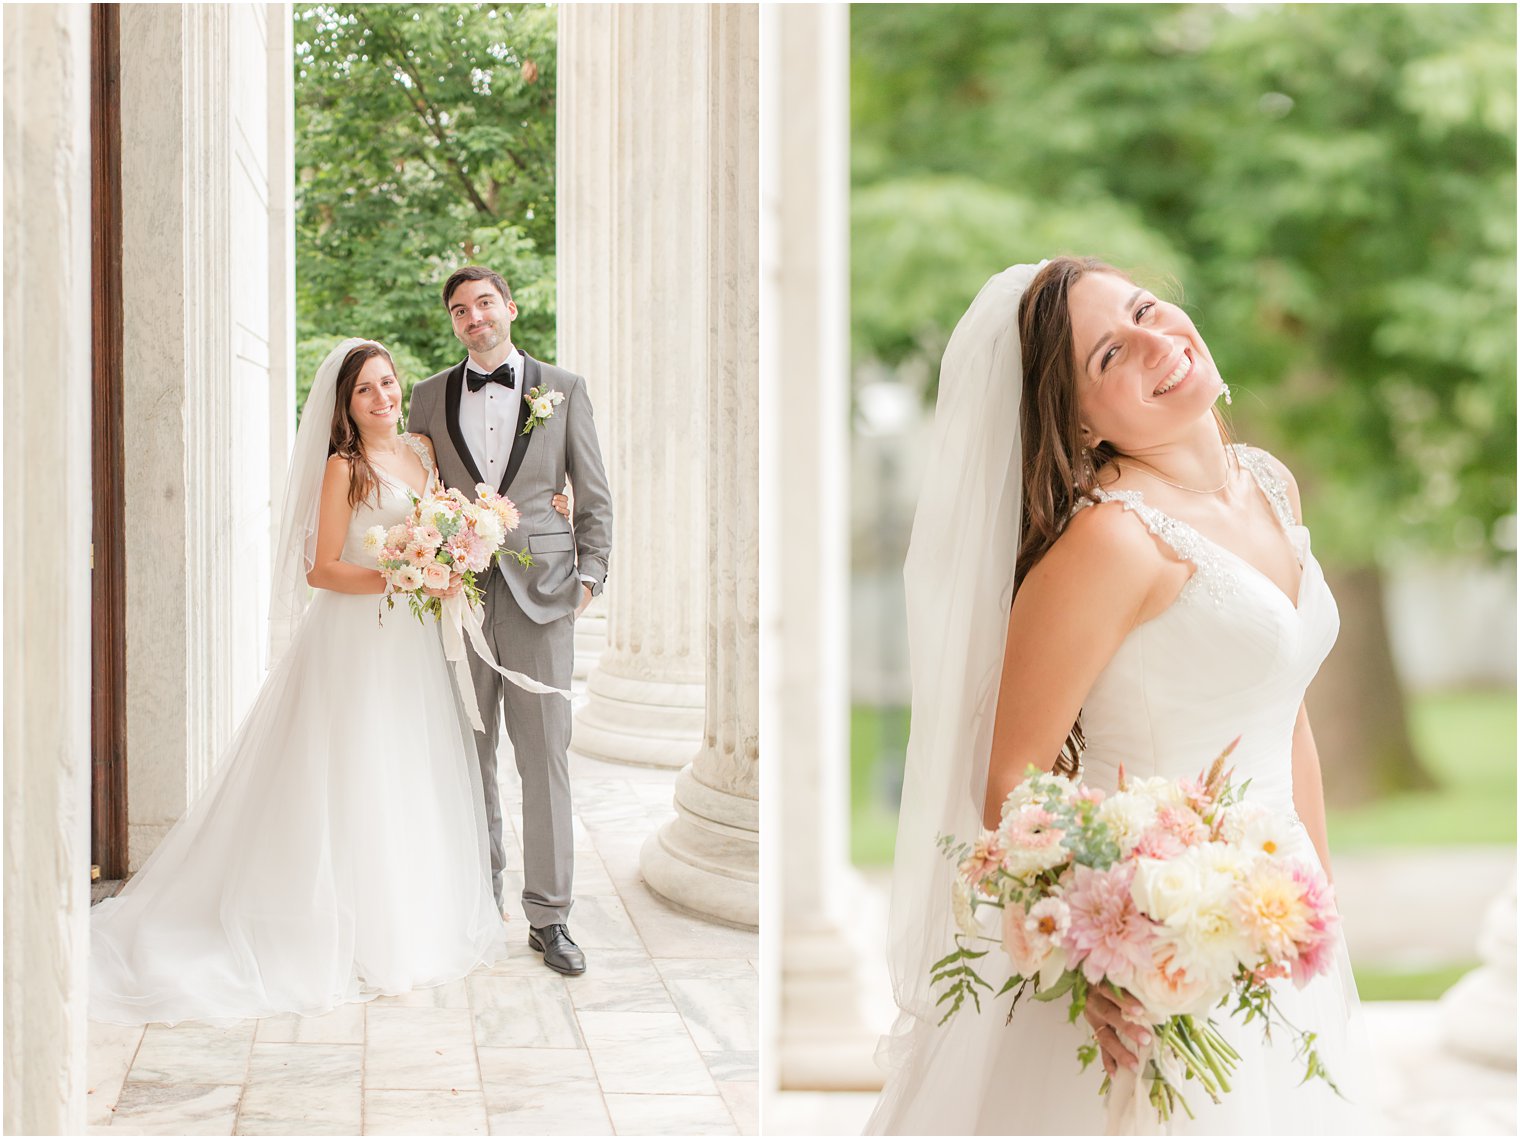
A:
x,y
484,430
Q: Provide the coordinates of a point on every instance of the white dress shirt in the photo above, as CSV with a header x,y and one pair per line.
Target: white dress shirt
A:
x,y
488,419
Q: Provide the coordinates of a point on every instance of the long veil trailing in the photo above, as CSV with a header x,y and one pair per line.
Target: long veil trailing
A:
x,y
959,582
295,551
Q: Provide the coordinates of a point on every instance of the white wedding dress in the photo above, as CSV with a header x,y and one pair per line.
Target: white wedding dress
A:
x,y
1232,656
339,852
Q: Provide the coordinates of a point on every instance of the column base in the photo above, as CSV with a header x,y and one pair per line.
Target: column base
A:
x,y
642,722
590,638
824,1043
707,859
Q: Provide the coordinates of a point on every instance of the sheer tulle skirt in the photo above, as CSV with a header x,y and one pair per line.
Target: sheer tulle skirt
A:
x,y
339,852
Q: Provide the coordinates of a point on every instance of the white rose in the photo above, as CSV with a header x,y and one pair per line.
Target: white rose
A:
x,y
1162,792
1127,816
1206,936
1164,889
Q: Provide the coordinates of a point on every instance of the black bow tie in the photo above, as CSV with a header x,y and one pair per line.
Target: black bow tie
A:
x,y
502,375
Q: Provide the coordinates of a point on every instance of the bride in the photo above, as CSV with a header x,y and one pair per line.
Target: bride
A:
x,y
339,852
1097,577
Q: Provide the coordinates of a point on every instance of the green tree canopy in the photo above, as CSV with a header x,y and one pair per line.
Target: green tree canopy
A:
x,y
1334,185
424,141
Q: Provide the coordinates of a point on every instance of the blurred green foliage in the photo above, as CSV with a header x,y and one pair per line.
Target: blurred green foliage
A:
x,y
1334,185
424,141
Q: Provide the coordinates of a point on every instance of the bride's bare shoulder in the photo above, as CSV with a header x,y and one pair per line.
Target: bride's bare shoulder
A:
x,y
1104,546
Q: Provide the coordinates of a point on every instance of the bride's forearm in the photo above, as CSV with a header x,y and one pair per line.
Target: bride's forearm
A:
x,y
345,577
1309,790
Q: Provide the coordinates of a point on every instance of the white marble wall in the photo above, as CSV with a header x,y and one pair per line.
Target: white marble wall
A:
x,y
207,307
46,623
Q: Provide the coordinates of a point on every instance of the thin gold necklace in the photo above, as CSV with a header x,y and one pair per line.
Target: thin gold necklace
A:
x,y
1146,468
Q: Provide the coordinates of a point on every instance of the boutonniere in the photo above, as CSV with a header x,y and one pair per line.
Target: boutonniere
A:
x,y
541,405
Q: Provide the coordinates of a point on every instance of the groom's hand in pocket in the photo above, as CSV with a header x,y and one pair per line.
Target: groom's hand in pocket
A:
x,y
585,599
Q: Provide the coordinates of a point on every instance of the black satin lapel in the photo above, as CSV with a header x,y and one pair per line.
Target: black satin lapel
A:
x,y
519,440
452,391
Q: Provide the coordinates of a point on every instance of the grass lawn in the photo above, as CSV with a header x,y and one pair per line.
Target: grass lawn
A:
x,y
1467,740
1374,984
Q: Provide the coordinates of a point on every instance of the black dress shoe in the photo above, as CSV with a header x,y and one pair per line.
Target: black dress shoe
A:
x,y
560,953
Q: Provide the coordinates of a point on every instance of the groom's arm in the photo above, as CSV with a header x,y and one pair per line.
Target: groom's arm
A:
x,y
593,498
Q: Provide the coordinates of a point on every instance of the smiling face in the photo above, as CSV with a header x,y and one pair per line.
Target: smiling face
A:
x,y
1143,373
375,404
482,317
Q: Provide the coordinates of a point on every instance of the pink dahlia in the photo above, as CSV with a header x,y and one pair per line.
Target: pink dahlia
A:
x,y
1108,935
985,858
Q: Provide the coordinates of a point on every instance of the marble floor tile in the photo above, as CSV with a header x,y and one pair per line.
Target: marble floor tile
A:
x,y
297,1109
503,1069
644,1052
591,877
420,1049
343,1025
671,932
450,995
535,1111
176,1109
719,999
602,923
388,1112
743,1099
733,1067
193,1053
670,1115
520,960
110,1050
619,852
620,980
523,1012
320,1067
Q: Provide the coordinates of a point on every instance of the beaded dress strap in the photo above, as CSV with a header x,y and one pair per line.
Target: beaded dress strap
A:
x,y
1209,573
1254,460
421,451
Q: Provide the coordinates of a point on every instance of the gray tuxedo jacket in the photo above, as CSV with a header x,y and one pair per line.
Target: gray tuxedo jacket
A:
x,y
563,445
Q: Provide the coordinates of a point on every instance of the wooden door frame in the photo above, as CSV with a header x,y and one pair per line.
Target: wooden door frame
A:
x,y
108,605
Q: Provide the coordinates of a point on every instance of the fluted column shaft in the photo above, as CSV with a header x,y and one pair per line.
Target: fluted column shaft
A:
x,y
707,858
633,312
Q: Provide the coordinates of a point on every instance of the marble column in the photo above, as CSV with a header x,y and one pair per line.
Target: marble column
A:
x,y
207,307
1478,1012
46,623
633,307
707,858
823,1040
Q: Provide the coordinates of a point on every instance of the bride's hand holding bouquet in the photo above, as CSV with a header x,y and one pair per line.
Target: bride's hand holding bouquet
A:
x,y
1147,910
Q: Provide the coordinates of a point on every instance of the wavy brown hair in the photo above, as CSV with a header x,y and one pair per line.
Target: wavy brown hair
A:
x,y
1058,472
344,439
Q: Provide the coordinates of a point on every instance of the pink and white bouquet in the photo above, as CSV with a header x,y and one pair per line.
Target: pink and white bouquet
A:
x,y
446,538
1174,892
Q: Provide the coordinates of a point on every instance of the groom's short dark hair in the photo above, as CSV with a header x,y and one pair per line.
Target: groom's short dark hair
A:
x,y
474,273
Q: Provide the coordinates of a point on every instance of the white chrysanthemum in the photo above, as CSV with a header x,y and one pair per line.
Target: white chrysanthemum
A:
x,y
1256,829
374,539
1163,889
489,527
408,578
1127,816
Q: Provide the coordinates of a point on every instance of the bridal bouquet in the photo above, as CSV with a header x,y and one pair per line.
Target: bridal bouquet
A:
x,y
1174,892
446,534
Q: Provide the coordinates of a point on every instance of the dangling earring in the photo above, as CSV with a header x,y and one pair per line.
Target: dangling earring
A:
x,y
1225,388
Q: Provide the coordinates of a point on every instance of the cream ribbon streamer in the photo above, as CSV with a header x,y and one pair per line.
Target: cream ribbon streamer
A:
x,y
461,620
1130,1111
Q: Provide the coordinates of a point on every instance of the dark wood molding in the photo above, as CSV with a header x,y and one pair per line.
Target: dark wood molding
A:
x,y
108,600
